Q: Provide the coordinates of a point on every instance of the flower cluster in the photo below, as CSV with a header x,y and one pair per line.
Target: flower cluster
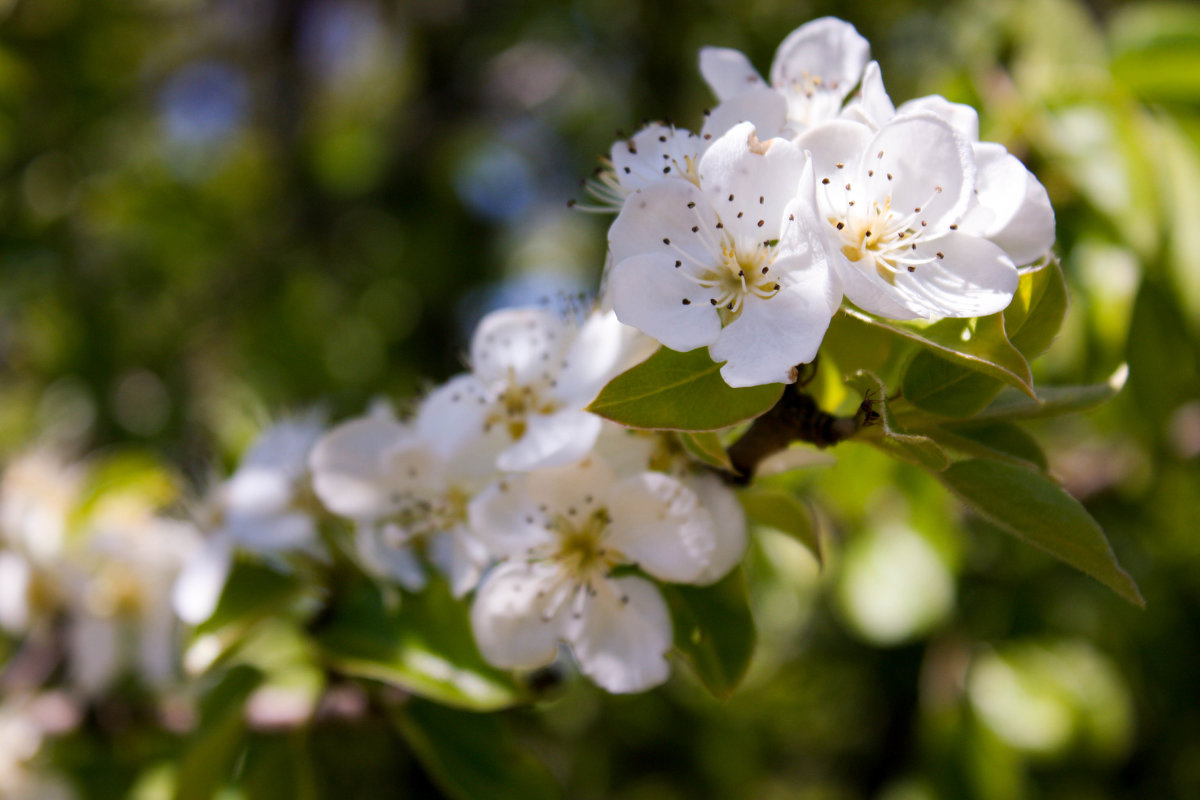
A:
x,y
558,521
801,193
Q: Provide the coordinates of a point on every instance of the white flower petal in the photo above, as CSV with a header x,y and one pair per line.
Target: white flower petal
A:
x,y
272,534
508,519
603,348
773,335
623,636
972,277
750,182
729,525
839,142
349,468
655,152
452,416
1011,206
551,440
509,618
514,344
728,72
648,293
931,165
199,585
872,107
818,64
658,220
659,524
764,108
460,556
384,552
962,118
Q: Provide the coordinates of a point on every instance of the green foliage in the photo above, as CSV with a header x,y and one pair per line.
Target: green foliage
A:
x,y
714,630
470,755
1033,508
707,448
212,751
425,647
680,392
783,511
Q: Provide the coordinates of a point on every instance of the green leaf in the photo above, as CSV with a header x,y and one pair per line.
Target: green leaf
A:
x,y
252,592
783,511
706,448
211,752
682,392
889,437
1003,440
945,388
471,756
980,344
953,389
424,647
714,630
1164,362
1052,401
1033,508
1038,309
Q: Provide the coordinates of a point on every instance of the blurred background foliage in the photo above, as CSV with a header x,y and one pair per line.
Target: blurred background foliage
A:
x,y
215,211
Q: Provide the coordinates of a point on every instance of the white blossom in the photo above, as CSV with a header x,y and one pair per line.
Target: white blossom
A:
x,y
815,68
261,509
733,262
563,530
657,152
405,496
1009,205
893,201
533,372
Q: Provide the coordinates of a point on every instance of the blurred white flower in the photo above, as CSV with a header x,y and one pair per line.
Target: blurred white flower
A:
x,y
813,71
563,531
261,509
733,262
655,153
533,373
405,495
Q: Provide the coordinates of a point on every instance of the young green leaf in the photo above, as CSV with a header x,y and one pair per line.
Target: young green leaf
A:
x,y
714,630
706,448
953,389
471,756
979,344
1003,440
1033,508
889,437
1038,309
1052,401
425,647
783,511
680,391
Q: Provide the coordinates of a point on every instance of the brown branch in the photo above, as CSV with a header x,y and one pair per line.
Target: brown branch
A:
x,y
796,417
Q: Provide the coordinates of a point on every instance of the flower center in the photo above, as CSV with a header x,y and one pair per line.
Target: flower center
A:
x,y
515,404
882,239
581,550
743,269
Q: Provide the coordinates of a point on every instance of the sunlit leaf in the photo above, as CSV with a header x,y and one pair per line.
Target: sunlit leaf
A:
x,y
980,344
471,756
706,448
680,391
783,511
1051,401
1037,310
1033,508
714,630
424,647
